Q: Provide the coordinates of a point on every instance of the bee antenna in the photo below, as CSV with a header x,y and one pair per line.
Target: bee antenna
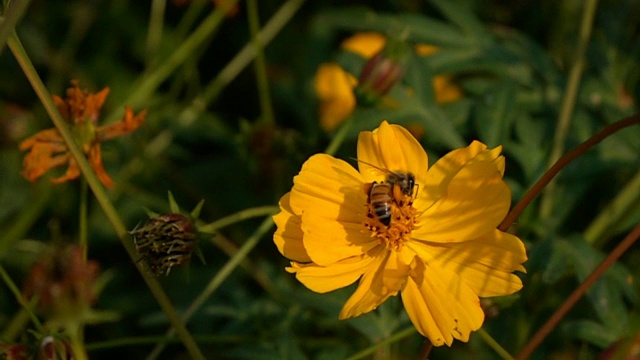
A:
x,y
374,166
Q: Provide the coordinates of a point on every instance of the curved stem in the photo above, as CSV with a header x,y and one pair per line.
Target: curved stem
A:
x,y
560,164
569,100
553,321
100,193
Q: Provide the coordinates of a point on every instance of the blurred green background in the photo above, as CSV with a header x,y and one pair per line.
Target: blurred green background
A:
x,y
207,136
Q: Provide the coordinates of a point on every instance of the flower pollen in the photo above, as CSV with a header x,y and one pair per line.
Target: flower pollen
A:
x,y
402,222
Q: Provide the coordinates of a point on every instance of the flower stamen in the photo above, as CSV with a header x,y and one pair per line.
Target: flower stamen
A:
x,y
402,222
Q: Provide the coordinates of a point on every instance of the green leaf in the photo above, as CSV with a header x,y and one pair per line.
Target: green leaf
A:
x,y
421,29
590,331
459,13
496,114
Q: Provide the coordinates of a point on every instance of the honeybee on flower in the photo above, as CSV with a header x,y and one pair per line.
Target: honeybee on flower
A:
x,y
440,250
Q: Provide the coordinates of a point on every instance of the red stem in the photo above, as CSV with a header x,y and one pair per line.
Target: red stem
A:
x,y
553,321
560,164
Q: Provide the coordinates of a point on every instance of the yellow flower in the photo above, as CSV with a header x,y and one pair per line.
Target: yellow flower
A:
x,y
441,249
334,86
47,149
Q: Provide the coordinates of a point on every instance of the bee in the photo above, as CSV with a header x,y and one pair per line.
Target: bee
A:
x,y
382,195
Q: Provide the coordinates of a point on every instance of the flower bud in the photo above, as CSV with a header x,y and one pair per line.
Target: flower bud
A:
x,y
165,241
381,72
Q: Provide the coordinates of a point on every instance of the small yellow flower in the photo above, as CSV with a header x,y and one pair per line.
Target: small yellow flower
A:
x,y
441,249
334,86
47,149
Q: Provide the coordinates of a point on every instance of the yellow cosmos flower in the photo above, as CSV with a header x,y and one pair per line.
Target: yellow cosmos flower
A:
x,y
334,86
440,250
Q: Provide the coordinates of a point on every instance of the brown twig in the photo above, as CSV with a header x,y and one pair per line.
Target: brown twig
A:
x,y
553,321
560,164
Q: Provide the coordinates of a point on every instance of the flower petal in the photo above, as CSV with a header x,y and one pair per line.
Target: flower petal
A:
x,y
329,241
440,305
288,235
486,264
322,279
391,148
330,188
365,44
334,88
441,173
95,159
475,201
373,288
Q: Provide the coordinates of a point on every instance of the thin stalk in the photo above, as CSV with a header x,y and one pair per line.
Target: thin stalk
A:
x,y
154,33
504,354
217,280
260,66
238,217
100,194
337,140
561,163
16,293
240,61
16,326
553,321
617,209
150,82
390,340
569,100
12,15
84,209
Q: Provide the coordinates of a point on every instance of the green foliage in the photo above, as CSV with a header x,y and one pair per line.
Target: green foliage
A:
x,y
207,143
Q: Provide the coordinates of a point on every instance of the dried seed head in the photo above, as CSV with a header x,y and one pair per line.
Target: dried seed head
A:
x,y
165,241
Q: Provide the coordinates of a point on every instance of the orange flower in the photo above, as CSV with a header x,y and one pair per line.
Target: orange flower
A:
x,y
48,150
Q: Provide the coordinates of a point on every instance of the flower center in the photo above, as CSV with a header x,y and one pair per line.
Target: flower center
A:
x,y
392,230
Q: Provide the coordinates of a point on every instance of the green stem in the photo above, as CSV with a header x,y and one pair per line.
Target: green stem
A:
x,y
100,193
240,61
14,290
222,275
569,101
154,33
237,217
149,83
260,64
390,340
12,15
16,326
84,209
504,354
339,137
617,209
